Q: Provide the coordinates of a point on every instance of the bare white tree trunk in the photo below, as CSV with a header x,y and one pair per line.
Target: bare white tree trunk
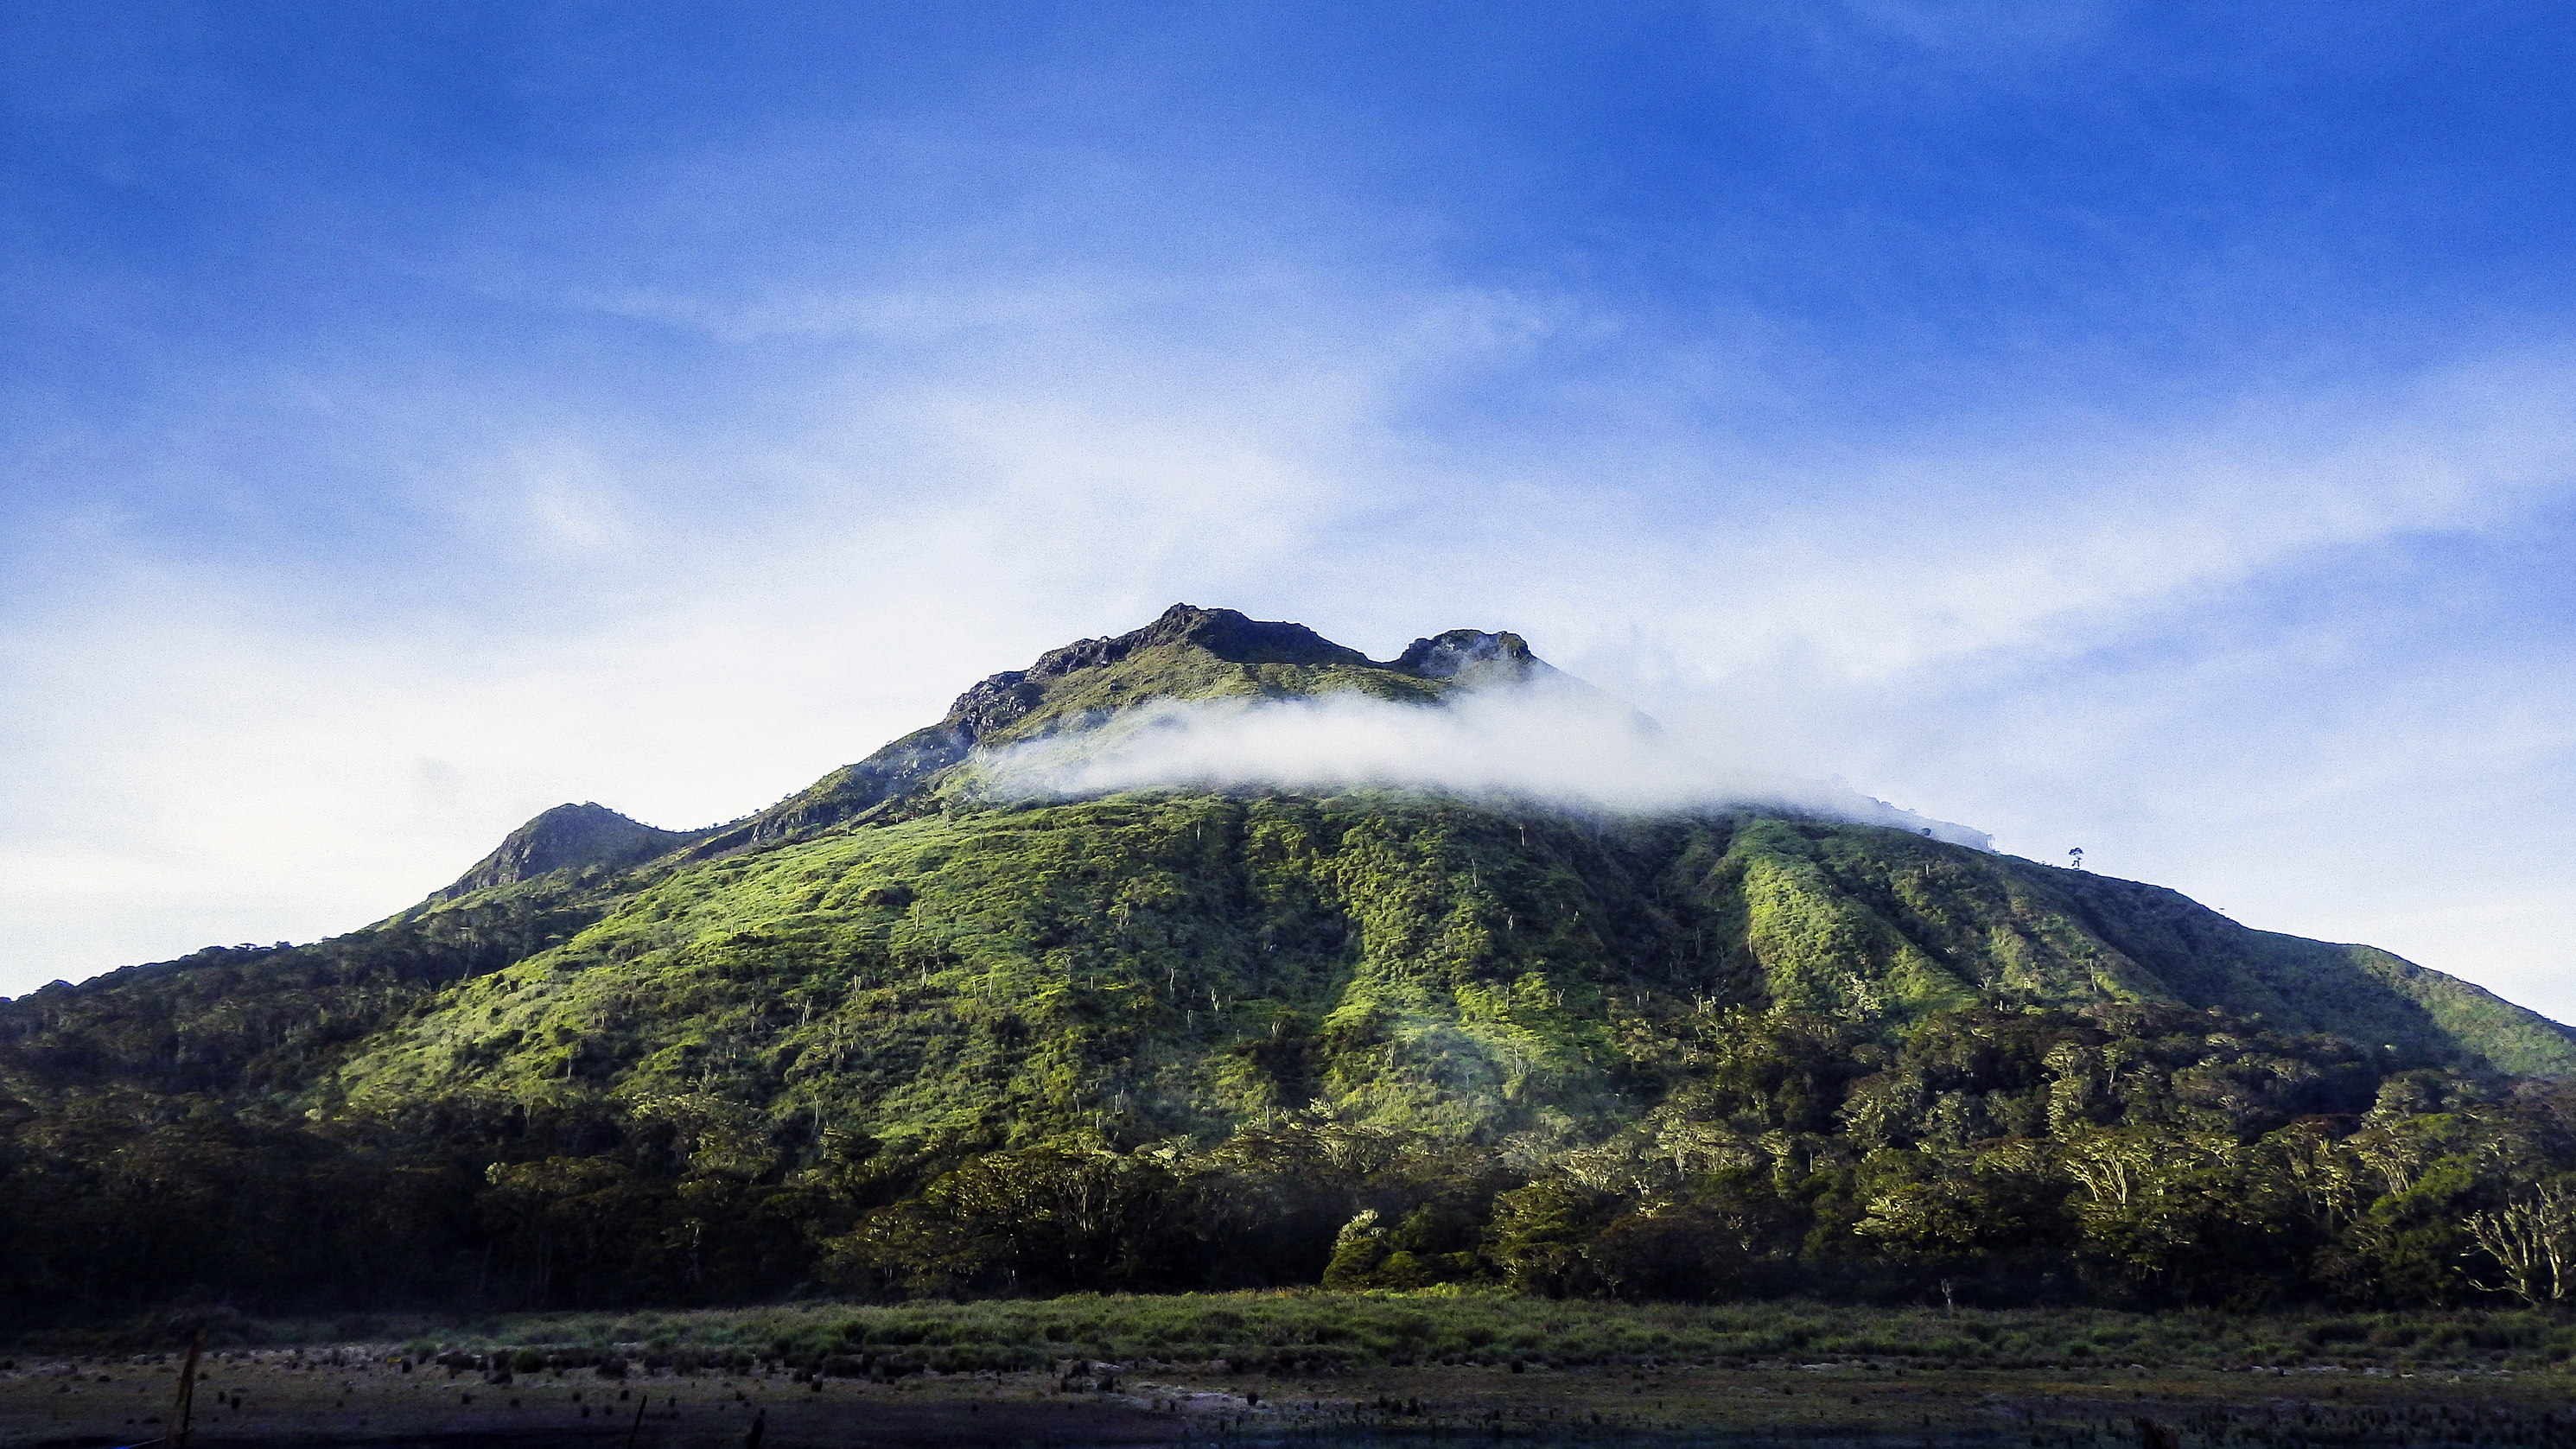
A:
x,y
2533,1238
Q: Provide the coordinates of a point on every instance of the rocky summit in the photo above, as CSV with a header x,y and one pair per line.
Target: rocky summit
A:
x,y
900,1034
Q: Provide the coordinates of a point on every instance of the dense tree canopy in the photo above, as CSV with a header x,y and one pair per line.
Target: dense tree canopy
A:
x,y
2139,1154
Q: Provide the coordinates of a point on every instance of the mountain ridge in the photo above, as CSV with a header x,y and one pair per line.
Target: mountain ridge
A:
x,y
568,837
1244,657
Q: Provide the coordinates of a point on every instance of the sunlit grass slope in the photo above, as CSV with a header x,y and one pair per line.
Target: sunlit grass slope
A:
x,y
1166,965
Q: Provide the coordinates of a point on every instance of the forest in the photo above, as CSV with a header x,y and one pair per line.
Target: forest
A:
x,y
2133,1156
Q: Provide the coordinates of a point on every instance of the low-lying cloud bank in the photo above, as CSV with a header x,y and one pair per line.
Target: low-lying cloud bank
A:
x,y
1567,748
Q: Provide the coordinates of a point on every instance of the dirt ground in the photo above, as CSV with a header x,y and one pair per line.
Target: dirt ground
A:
x,y
285,1398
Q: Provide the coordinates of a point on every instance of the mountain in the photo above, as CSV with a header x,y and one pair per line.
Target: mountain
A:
x,y
825,1040
568,837
1187,654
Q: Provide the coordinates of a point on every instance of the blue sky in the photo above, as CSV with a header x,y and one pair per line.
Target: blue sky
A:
x,y
2142,428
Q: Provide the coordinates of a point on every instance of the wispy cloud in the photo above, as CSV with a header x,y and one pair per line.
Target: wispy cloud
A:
x,y
1561,747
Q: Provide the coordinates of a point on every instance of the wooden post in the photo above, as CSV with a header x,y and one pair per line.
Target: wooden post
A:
x,y
638,1426
182,1402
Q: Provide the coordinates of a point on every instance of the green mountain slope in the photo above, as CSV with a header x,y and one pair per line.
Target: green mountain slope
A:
x,y
825,1032
1184,964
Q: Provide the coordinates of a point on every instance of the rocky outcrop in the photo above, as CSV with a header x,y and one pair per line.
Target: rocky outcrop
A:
x,y
1472,656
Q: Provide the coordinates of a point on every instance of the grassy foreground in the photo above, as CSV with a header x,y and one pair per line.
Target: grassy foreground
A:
x,y
1309,1332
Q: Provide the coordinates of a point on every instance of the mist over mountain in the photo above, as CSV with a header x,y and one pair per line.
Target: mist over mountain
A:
x,y
1538,742
1218,953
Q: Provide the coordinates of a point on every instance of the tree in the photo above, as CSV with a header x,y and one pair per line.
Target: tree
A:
x,y
2532,1237
1538,1235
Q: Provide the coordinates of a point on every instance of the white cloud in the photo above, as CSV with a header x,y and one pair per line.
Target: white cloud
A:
x,y
1556,745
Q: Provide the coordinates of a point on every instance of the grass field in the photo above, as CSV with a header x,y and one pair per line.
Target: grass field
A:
x,y
1306,1331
